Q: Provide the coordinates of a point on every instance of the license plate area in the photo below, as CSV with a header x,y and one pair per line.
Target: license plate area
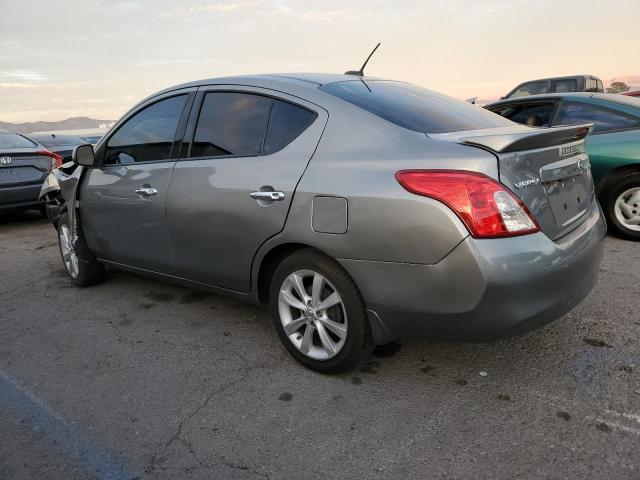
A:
x,y
570,197
9,175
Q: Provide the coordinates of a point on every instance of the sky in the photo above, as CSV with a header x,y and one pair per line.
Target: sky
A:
x,y
97,58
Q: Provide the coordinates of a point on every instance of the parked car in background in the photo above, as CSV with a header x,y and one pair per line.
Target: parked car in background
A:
x,y
613,146
63,145
24,165
88,135
634,93
574,83
415,223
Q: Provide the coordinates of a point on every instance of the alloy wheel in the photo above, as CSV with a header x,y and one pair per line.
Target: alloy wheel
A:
x,y
627,209
67,248
313,314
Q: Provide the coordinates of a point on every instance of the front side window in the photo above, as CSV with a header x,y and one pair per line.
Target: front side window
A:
x,y
531,88
148,135
413,107
246,124
574,113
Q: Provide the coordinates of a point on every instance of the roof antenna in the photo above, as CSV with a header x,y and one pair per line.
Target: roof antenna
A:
x,y
360,72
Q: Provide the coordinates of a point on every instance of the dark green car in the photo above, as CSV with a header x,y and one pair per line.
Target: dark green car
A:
x,y
613,146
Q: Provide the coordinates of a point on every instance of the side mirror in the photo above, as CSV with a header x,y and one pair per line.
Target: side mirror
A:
x,y
83,155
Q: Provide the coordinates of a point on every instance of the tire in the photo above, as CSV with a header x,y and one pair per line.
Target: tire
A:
x,y
325,336
622,207
81,265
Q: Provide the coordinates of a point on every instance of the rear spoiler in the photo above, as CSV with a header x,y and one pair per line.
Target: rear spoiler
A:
x,y
518,137
529,139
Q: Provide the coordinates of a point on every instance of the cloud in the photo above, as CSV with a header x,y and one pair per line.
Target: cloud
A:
x,y
274,8
324,16
225,7
17,85
22,76
160,62
106,54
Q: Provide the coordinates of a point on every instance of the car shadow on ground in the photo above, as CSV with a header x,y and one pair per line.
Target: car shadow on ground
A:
x,y
531,358
21,217
514,360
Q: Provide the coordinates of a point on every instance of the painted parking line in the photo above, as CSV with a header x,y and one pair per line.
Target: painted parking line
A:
x,y
79,447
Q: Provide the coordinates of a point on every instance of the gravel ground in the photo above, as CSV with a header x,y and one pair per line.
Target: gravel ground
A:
x,y
138,379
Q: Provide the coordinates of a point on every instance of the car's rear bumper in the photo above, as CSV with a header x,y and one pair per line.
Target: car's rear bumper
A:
x,y
484,289
20,196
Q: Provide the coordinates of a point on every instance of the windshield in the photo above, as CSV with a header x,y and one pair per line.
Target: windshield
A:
x,y
415,108
13,140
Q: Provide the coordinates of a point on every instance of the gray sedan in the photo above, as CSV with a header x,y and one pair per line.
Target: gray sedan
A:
x,y
362,210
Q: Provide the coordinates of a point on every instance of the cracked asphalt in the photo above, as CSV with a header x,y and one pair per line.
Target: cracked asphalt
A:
x,y
138,379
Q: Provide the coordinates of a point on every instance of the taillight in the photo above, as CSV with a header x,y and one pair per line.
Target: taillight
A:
x,y
486,207
56,160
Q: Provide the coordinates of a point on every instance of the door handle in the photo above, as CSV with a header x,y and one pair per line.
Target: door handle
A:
x,y
146,191
267,196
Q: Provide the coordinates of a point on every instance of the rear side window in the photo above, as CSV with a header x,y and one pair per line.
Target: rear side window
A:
x,y
231,124
413,107
536,115
591,85
286,122
13,140
574,113
148,135
531,88
246,124
561,86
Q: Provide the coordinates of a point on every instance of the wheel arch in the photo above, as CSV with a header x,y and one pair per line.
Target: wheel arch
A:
x,y
614,175
270,261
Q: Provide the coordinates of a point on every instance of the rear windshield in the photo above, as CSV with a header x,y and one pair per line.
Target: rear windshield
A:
x,y
621,99
413,107
59,141
13,140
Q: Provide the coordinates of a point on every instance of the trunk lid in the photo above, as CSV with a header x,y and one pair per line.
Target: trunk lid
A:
x,y
23,166
547,168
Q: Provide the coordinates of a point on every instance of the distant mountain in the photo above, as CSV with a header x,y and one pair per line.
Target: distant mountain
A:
x,y
75,123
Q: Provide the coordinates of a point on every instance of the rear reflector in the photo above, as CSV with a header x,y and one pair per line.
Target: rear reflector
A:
x,y
56,160
486,207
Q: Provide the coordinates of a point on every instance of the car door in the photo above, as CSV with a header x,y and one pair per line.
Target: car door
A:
x,y
231,190
122,200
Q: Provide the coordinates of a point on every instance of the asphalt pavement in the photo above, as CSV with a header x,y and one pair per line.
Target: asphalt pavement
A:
x,y
134,378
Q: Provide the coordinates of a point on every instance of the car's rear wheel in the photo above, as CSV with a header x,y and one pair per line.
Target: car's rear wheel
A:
x,y
622,207
80,264
319,313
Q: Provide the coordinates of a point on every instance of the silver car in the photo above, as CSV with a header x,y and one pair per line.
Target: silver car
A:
x,y
362,210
